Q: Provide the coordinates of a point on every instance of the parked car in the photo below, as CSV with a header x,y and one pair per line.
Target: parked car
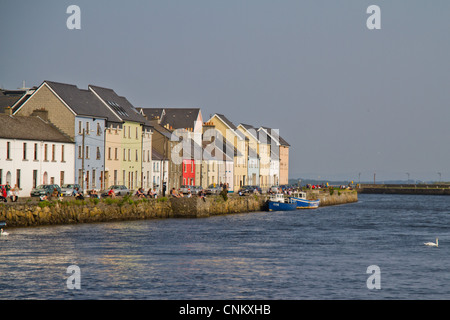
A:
x,y
196,189
213,189
250,189
193,189
44,190
68,190
119,190
185,189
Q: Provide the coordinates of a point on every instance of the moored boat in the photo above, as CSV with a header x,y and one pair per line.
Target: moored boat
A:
x,y
278,202
302,203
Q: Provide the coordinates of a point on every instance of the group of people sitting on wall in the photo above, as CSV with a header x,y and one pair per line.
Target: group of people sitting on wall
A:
x,y
7,192
151,193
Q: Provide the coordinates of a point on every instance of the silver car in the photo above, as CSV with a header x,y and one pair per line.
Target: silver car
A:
x,y
68,190
119,190
213,189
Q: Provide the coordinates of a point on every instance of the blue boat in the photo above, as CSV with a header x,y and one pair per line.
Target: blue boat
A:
x,y
302,203
278,202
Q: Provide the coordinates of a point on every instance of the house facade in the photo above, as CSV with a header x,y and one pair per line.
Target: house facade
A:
x,y
253,153
34,152
90,148
132,136
230,133
81,116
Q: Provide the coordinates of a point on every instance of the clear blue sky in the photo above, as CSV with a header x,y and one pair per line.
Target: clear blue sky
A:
x,y
349,100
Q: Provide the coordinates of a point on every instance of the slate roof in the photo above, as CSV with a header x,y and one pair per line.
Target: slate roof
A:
x,y
231,125
8,99
30,128
275,135
120,105
177,118
157,156
82,102
250,129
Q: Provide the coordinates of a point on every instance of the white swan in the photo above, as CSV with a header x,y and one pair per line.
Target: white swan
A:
x,y
432,244
3,233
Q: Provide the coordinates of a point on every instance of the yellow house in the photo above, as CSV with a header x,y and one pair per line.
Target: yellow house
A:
x,y
113,151
264,163
240,153
131,137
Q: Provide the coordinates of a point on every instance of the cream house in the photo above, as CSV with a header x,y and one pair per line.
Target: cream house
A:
x,y
34,152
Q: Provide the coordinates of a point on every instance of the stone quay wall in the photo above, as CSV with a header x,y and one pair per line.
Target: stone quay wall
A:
x,y
27,212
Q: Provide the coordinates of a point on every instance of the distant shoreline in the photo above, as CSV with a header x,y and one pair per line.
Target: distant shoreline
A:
x,y
412,189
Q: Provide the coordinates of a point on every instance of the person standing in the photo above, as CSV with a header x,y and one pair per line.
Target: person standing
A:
x,y
15,193
8,190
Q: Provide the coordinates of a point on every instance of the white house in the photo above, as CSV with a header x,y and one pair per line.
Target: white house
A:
x,y
34,152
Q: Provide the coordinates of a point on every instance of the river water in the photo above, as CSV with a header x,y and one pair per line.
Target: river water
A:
x,y
313,254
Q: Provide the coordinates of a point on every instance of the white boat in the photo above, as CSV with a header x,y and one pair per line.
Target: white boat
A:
x,y
277,202
302,202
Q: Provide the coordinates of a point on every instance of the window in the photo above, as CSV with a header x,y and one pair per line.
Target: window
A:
x,y
80,127
61,178
87,128
8,150
62,153
124,154
80,152
115,154
53,152
137,156
98,153
80,177
93,179
99,129
24,151
35,177
18,178
109,153
45,152
129,132
87,152
129,154
124,131
137,133
35,151
115,176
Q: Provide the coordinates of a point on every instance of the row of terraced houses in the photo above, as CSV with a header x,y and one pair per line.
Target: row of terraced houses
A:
x,y
59,134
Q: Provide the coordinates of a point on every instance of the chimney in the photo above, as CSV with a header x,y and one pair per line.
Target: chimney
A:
x,y
208,125
41,113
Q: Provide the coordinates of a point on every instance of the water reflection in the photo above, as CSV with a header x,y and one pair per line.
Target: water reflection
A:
x,y
318,255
